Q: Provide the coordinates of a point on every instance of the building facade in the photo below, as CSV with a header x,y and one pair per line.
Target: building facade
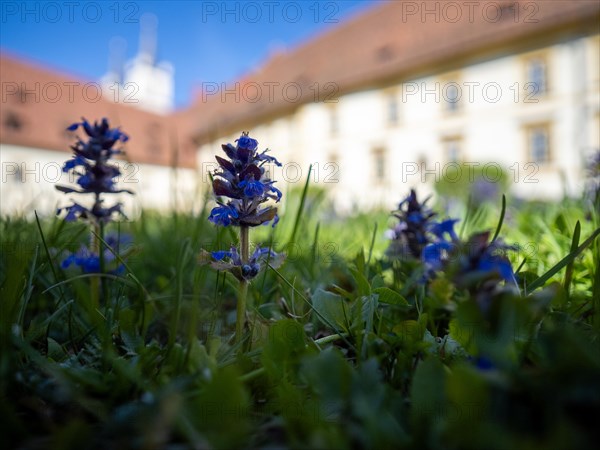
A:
x,y
38,105
404,106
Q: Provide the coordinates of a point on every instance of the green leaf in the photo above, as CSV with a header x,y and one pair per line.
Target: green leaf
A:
x,y
220,410
467,392
377,282
427,391
199,359
343,292
409,331
386,295
55,351
330,375
299,294
463,334
441,291
286,343
364,288
330,307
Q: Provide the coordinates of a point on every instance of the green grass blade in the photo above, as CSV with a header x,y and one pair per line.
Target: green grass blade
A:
x,y
301,206
501,220
521,265
122,261
315,249
569,269
371,251
27,292
562,263
596,298
323,318
183,258
108,276
39,227
463,225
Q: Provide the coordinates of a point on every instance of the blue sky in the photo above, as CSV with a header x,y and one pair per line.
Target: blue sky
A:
x,y
206,41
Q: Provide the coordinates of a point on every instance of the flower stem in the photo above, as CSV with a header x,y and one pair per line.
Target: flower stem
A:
x,y
103,291
95,281
243,291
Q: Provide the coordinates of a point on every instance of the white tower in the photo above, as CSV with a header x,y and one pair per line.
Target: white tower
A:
x,y
112,81
146,84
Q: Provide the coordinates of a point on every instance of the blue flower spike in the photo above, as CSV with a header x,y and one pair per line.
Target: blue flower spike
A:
x,y
477,264
242,179
95,173
89,261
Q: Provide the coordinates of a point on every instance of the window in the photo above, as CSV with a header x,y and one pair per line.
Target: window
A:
x,y
452,147
17,175
333,158
538,143
451,93
537,75
12,122
510,11
385,53
379,162
392,108
331,169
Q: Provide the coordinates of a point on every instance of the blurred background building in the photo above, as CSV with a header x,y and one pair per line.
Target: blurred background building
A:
x,y
392,98
39,103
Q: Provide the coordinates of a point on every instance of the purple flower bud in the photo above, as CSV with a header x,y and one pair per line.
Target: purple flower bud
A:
x,y
247,143
242,179
95,174
223,215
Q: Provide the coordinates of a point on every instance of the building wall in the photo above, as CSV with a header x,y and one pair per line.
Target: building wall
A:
x,y
373,160
29,176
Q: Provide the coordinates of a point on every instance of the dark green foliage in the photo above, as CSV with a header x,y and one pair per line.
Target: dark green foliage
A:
x,y
344,348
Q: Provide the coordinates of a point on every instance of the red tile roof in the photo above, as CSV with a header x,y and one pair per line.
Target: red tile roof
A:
x,y
389,43
38,104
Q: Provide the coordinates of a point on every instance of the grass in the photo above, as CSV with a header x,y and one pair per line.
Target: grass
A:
x,y
343,350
